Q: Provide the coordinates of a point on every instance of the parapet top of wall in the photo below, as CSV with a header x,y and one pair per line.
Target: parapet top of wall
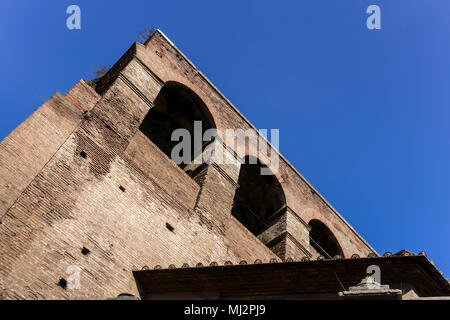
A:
x,y
165,62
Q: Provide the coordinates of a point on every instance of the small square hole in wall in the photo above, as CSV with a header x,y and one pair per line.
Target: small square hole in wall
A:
x,y
83,154
169,227
85,251
62,283
122,188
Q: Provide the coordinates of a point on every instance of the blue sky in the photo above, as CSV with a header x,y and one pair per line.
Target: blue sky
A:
x,y
363,114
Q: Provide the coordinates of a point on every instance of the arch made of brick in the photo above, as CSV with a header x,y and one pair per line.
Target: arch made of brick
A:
x,y
322,236
312,215
176,106
205,109
257,199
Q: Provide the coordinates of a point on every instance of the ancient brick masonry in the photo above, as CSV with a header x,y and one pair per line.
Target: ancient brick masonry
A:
x,y
79,173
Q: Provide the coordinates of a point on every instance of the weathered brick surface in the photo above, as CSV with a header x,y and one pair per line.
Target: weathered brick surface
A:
x,y
25,151
287,235
82,96
146,157
215,199
81,174
69,206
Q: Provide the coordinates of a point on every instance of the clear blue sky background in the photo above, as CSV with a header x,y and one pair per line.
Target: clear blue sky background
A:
x,y
363,115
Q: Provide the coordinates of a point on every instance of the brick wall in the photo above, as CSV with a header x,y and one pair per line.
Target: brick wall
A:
x,y
25,151
79,174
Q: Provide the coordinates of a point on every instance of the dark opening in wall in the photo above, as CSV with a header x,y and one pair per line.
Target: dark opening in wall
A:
x,y
258,196
323,240
169,227
83,154
85,251
62,283
176,107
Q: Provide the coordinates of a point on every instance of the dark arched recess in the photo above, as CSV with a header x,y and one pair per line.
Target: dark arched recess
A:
x,y
176,106
257,197
323,240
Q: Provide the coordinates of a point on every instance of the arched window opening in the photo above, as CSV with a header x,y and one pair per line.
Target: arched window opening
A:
x,y
257,198
323,240
176,107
